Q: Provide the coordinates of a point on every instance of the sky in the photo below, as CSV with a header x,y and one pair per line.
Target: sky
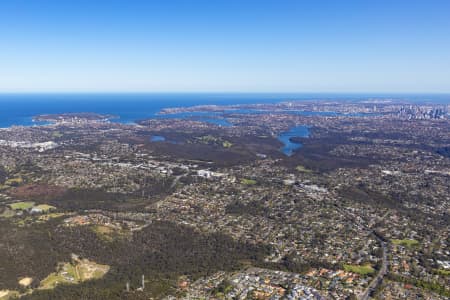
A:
x,y
395,46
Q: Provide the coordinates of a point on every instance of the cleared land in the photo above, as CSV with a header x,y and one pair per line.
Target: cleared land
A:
x,y
22,205
406,242
443,272
7,213
7,294
25,281
75,272
362,270
45,207
248,181
302,169
49,216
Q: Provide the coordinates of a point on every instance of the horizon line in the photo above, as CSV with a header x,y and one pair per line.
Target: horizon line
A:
x,y
118,92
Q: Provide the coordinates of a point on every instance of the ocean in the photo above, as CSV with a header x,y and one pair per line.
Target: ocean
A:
x,y
19,109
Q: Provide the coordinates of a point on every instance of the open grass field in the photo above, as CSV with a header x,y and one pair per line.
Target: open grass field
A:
x,y
89,270
57,134
227,144
362,270
14,181
73,273
406,242
7,213
442,272
109,234
248,181
49,216
21,205
51,281
104,232
302,169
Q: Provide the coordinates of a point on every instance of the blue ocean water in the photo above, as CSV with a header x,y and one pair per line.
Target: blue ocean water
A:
x,y
19,109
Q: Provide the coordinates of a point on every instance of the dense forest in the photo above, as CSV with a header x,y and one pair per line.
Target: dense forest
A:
x,y
162,252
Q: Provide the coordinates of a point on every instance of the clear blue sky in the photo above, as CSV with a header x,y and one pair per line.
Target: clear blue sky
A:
x,y
225,45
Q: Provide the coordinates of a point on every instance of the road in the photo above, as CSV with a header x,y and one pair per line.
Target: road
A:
x,y
379,278
175,181
384,265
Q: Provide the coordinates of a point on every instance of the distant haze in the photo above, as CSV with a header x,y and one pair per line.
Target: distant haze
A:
x,y
379,46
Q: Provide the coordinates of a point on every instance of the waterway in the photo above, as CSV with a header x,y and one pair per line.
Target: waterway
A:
x,y
290,147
